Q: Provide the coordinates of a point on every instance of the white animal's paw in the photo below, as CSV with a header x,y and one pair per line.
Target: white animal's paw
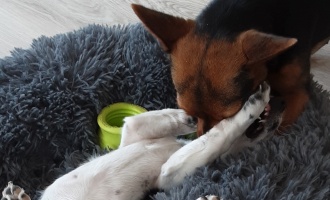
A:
x,y
209,197
14,192
252,108
249,121
168,120
185,123
257,102
157,124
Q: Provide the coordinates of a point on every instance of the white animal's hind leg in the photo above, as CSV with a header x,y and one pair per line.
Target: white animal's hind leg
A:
x,y
156,124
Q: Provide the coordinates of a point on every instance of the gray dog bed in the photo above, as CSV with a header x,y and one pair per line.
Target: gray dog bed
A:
x,y
50,96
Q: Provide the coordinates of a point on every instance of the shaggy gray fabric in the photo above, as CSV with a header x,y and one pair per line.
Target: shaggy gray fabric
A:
x,y
293,166
50,96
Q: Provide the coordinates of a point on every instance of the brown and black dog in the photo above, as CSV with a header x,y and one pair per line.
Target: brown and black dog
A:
x,y
219,59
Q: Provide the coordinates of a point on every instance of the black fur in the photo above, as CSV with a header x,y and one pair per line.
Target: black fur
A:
x,y
306,20
289,18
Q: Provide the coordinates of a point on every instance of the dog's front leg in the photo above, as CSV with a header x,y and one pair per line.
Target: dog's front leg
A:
x,y
214,143
156,124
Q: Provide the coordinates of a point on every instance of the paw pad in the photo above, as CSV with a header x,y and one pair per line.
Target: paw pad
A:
x,y
13,192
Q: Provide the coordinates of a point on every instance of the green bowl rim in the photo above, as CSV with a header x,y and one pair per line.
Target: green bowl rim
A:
x,y
115,106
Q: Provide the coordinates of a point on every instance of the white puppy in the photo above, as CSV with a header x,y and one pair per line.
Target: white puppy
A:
x,y
150,156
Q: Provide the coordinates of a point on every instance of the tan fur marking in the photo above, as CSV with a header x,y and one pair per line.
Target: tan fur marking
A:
x,y
288,79
258,73
203,70
295,104
290,83
196,63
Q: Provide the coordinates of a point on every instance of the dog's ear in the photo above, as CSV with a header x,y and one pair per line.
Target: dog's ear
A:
x,y
258,46
166,28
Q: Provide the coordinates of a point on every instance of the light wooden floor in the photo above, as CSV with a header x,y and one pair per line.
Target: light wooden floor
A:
x,y
23,20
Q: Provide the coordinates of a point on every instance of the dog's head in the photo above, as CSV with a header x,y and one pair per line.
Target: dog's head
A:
x,y
213,76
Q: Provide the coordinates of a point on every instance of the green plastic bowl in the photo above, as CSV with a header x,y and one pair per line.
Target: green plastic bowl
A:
x,y
111,120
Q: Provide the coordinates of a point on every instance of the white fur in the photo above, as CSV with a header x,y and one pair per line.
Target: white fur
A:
x,y
214,143
149,141
209,197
